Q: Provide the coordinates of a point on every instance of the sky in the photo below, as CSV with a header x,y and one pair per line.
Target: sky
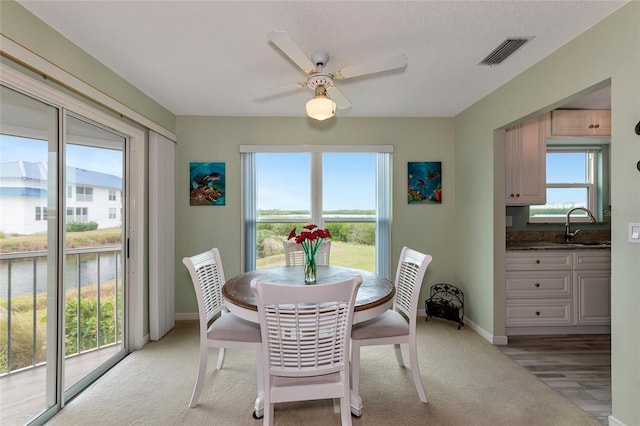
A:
x,y
566,168
348,181
102,160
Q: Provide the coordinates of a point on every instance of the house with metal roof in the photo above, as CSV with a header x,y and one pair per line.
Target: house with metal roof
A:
x,y
89,197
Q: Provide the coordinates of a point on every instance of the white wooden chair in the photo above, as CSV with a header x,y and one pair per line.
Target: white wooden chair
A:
x,y
227,331
396,326
294,253
305,342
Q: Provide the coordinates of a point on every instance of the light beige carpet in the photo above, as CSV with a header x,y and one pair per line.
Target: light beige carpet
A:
x,y
468,382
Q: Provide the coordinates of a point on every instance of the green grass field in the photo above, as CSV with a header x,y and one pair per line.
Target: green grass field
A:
x,y
351,255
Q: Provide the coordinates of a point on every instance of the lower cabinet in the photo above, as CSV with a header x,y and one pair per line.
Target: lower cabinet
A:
x,y
557,288
593,298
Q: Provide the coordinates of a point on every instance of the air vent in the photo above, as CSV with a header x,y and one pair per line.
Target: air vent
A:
x,y
506,49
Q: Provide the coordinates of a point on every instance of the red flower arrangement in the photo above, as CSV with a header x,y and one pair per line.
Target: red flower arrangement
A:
x,y
310,239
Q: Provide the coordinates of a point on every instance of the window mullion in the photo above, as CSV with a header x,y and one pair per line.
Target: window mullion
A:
x,y
316,189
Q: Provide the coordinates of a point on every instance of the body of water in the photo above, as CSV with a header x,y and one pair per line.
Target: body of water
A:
x,y
86,268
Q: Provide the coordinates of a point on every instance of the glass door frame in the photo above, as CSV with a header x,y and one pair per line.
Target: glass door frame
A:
x,y
33,85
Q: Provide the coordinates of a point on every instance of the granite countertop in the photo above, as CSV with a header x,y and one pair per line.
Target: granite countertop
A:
x,y
546,240
549,245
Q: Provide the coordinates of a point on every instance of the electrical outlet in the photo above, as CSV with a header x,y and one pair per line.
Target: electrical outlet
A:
x,y
634,233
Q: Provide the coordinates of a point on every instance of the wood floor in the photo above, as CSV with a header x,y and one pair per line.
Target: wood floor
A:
x,y
578,366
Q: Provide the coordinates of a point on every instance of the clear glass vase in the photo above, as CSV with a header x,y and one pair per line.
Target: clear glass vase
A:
x,y
309,268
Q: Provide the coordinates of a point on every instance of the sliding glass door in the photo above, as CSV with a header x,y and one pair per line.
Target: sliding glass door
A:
x,y
62,260
93,298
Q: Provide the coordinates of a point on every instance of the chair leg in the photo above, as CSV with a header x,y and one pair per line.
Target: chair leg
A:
x,y
202,369
268,414
356,400
345,414
415,372
398,351
258,410
221,352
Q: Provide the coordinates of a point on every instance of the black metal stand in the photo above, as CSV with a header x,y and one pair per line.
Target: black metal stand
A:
x,y
445,301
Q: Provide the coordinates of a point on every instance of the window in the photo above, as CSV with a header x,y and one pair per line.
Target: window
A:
x,y
41,213
112,195
70,215
345,191
69,191
84,193
82,214
573,180
112,213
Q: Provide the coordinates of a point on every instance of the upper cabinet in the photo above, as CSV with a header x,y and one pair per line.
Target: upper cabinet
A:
x,y
580,122
525,151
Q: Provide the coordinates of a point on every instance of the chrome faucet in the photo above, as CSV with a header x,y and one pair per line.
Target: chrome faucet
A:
x,y
568,235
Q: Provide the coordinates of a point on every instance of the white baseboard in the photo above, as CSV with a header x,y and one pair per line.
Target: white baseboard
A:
x,y
615,422
494,340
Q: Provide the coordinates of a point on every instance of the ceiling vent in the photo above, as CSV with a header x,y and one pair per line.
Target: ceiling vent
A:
x,y
506,49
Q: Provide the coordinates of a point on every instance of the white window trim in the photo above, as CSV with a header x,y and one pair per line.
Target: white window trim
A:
x,y
591,185
383,198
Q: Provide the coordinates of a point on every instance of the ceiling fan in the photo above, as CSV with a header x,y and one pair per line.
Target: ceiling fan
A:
x,y
327,96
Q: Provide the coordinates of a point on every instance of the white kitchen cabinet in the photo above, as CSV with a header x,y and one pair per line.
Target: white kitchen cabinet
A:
x,y
557,288
580,122
525,155
592,283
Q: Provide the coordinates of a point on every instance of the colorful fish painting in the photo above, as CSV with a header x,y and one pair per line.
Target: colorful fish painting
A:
x,y
424,182
207,184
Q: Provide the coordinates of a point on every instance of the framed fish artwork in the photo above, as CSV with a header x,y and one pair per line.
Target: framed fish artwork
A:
x,y
207,184
424,182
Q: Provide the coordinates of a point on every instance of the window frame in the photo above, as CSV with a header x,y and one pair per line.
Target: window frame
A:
x,y
383,197
593,183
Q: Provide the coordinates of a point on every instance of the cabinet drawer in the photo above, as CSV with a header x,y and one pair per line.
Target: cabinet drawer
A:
x,y
539,260
540,312
543,284
598,260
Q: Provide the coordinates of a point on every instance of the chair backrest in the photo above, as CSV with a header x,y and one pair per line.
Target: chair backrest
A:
x,y
294,253
411,269
207,276
306,329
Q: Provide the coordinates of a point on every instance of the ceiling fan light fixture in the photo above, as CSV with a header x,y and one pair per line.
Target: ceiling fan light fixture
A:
x,y
321,106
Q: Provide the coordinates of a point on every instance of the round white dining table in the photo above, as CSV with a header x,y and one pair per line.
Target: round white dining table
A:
x,y
375,295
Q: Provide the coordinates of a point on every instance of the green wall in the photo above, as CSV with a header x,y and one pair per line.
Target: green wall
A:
x,y
427,228
608,51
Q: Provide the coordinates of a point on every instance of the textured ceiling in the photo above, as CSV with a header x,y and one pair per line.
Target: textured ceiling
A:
x,y
214,57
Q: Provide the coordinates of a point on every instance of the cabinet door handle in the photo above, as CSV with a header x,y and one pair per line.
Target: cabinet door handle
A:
x,y
537,260
596,126
591,126
537,284
537,313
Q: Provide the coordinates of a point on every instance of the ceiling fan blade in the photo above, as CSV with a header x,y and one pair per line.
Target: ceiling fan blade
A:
x,y
279,91
392,63
289,47
342,102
